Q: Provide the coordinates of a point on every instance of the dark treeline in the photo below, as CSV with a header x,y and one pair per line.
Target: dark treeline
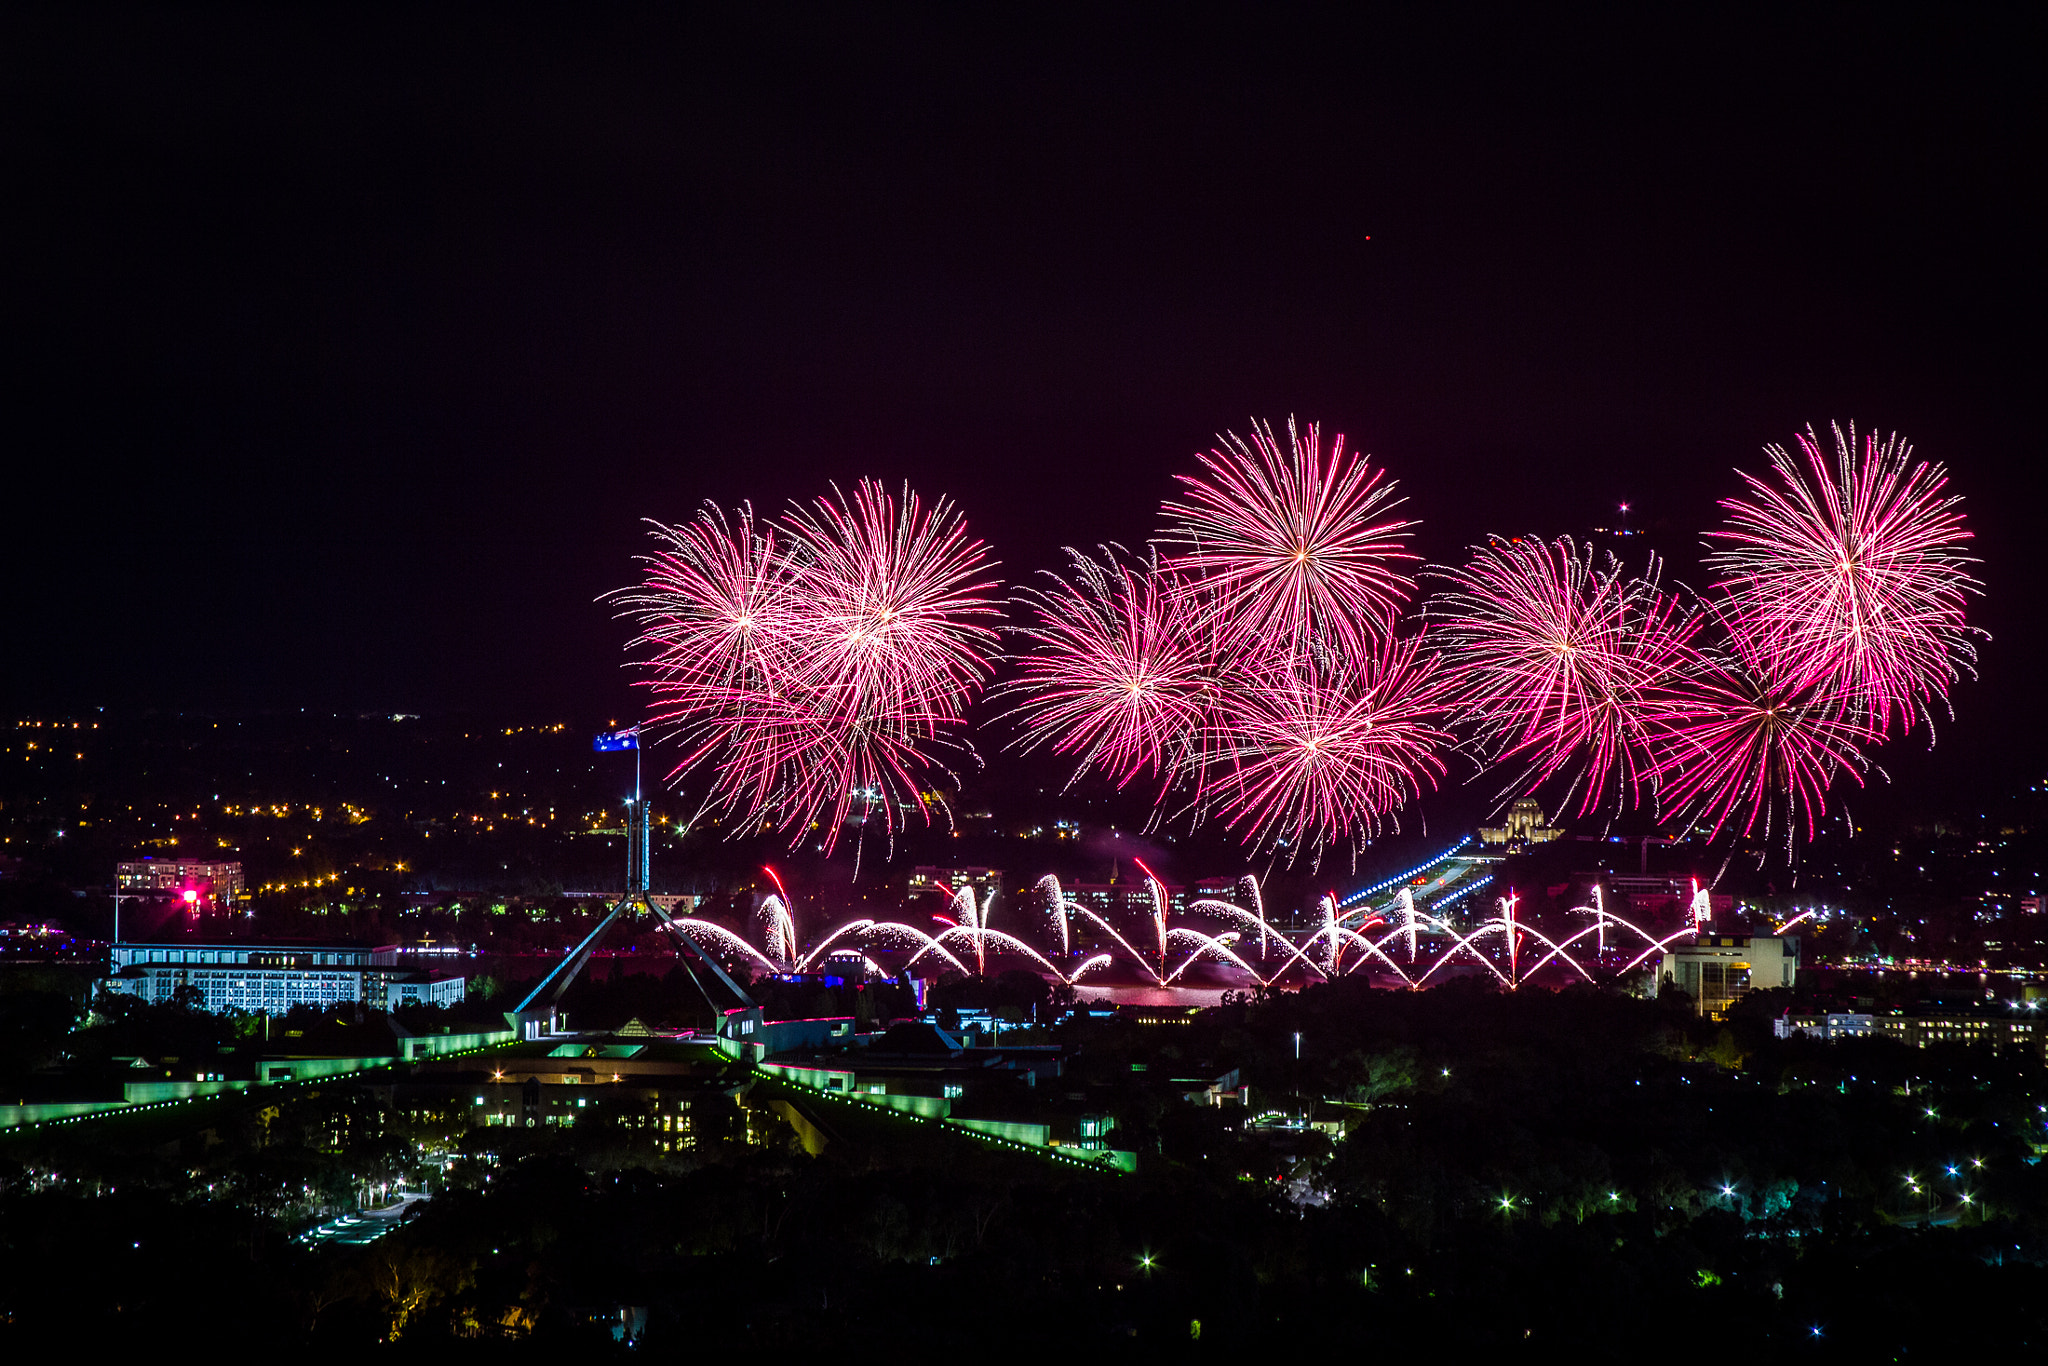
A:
x,y
1476,1170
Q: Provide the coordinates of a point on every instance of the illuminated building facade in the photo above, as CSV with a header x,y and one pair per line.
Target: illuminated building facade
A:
x,y
1718,970
1827,1027
217,883
1924,1026
275,977
951,880
663,1090
1922,1029
1526,824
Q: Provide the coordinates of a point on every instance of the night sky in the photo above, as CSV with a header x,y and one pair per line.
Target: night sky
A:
x,y
345,353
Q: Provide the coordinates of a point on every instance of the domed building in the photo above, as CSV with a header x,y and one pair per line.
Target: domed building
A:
x,y
1526,825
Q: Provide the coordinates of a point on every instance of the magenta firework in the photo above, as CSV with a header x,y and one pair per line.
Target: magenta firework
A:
x,y
1309,752
1120,676
1558,661
1262,668
1288,543
1258,672
819,668
1849,572
1741,744
1265,667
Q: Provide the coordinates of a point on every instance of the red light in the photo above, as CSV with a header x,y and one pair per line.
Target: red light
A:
x,y
191,897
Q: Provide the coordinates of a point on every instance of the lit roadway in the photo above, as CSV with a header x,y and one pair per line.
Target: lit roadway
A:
x,y
1452,874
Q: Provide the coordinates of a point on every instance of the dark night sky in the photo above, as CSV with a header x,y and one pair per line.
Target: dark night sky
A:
x,y
344,352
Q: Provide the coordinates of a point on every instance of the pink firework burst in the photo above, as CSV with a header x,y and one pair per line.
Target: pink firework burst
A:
x,y
1313,753
1289,543
817,671
1741,746
1117,673
895,626
1850,573
1556,661
718,608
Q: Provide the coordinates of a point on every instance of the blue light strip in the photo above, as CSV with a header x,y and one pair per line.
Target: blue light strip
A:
x,y
1408,876
1466,890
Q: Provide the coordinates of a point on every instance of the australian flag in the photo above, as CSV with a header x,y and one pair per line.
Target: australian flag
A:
x,y
609,740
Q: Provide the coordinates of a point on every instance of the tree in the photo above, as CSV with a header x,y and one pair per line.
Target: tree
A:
x,y
403,1280
1375,1076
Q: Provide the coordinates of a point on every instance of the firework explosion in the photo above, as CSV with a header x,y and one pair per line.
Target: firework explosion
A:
x,y
1850,574
1119,675
1396,942
1262,668
1288,545
1311,753
1739,745
1261,671
1557,662
1258,672
819,668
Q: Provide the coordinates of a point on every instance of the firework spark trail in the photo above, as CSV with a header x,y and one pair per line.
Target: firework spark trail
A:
x,y
1554,660
1289,544
1318,754
979,936
1056,910
1461,943
851,927
895,621
1738,746
1157,890
973,918
1216,944
881,929
1298,953
1111,931
718,606
1333,950
1507,921
1339,932
720,935
869,930
1656,946
778,929
1117,674
1852,571
1514,926
1257,898
1334,958
817,665
1468,943
1557,950
1229,911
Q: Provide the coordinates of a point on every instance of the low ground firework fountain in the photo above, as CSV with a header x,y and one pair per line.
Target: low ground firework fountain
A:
x,y
1388,932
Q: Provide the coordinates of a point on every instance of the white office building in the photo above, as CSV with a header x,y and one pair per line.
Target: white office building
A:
x,y
1717,970
275,977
